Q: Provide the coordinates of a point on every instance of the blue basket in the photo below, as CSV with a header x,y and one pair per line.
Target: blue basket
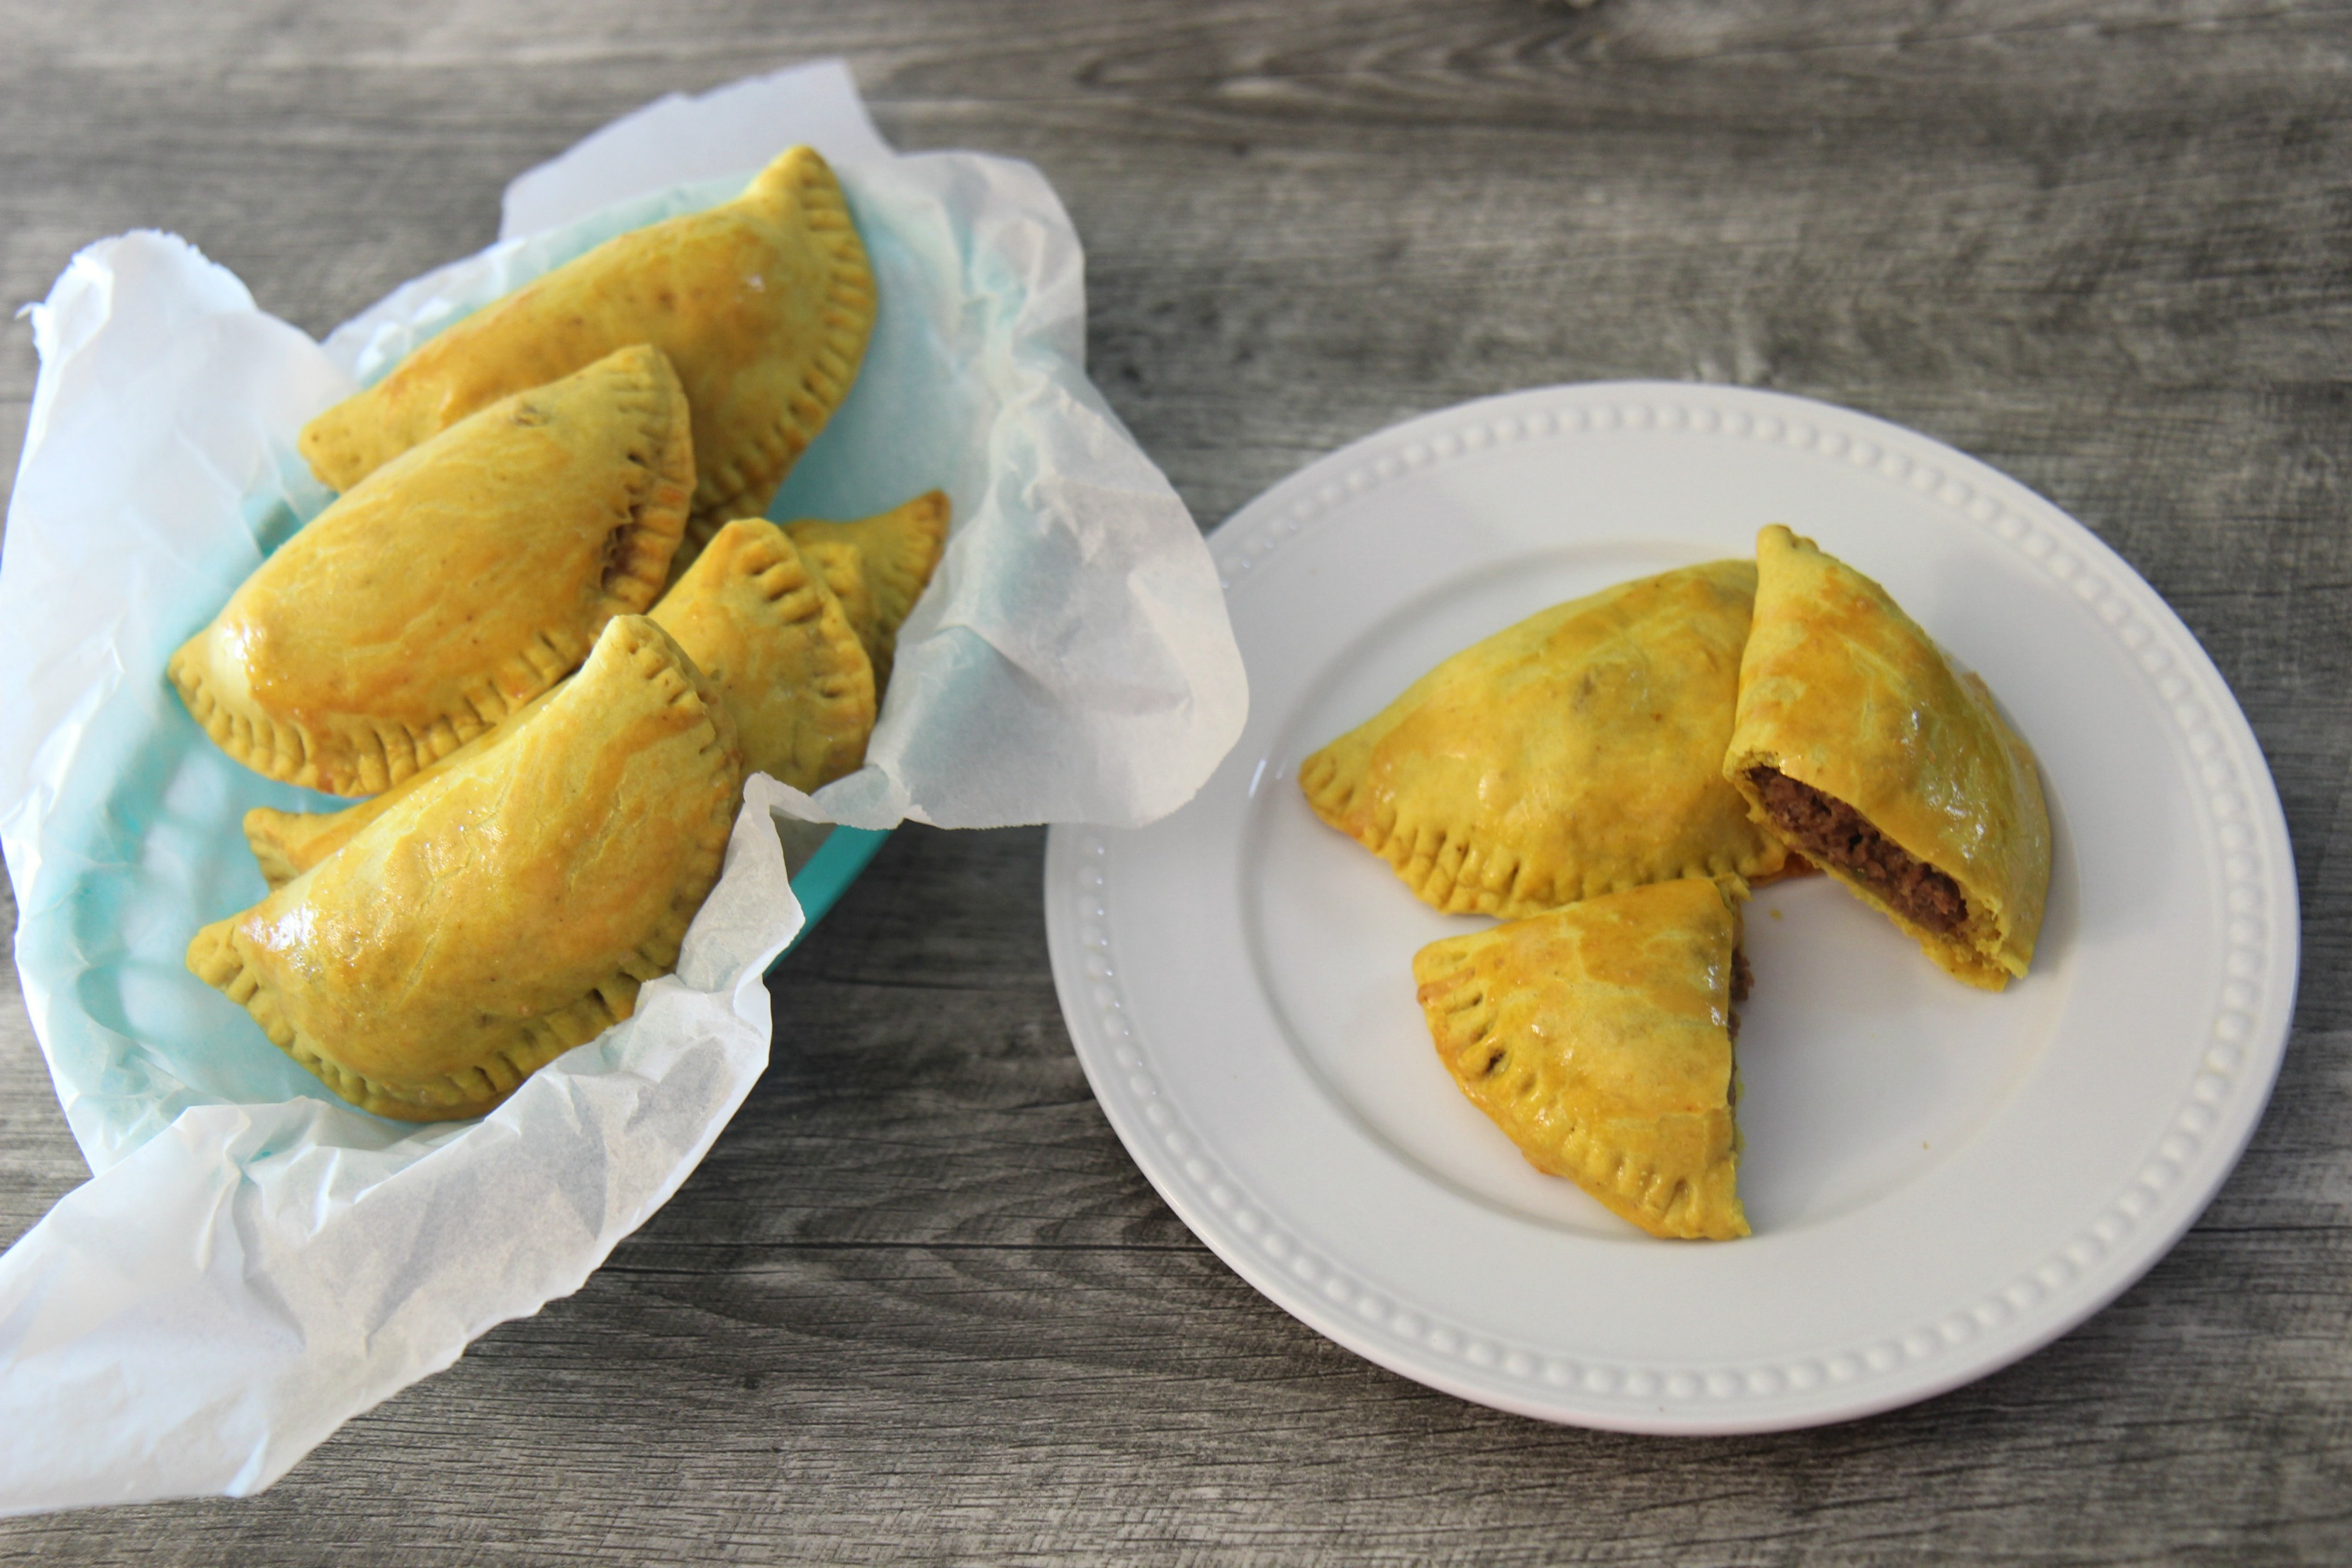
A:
x,y
819,884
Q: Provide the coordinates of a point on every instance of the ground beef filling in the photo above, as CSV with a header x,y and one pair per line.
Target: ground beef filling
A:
x,y
1833,833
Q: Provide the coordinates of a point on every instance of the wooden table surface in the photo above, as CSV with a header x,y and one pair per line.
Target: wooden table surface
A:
x,y
918,1304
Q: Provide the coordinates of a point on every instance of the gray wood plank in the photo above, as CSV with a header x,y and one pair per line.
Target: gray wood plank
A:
x,y
918,1304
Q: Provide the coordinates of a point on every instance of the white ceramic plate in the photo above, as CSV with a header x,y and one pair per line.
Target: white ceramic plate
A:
x,y
1940,1180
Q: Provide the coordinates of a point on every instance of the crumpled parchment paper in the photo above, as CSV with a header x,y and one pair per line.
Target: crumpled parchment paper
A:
x,y
253,1261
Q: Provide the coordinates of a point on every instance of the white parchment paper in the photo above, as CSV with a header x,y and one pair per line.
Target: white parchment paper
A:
x,y
253,1261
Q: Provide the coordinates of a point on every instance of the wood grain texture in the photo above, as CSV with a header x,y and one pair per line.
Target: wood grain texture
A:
x,y
918,1304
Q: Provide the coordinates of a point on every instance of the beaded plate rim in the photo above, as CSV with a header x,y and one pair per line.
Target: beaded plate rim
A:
x,y
2137,1223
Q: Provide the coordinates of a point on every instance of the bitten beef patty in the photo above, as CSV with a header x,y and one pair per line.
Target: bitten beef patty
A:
x,y
1833,833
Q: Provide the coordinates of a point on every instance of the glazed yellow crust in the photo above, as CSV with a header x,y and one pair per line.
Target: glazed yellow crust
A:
x,y
452,585
1577,754
754,618
878,567
772,636
763,627
1598,1039
288,843
764,305
505,909
1841,690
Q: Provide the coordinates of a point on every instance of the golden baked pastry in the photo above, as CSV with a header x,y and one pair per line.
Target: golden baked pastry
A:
x,y
452,585
878,567
1576,754
1859,743
1599,1038
772,637
505,909
839,566
288,843
764,305
763,628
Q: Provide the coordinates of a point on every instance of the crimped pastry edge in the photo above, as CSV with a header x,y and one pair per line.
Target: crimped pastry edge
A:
x,y
1458,1007
361,756
747,482
529,1043
916,534
1457,876
766,556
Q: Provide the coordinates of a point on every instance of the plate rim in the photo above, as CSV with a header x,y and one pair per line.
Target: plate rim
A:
x,y
2247,1046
